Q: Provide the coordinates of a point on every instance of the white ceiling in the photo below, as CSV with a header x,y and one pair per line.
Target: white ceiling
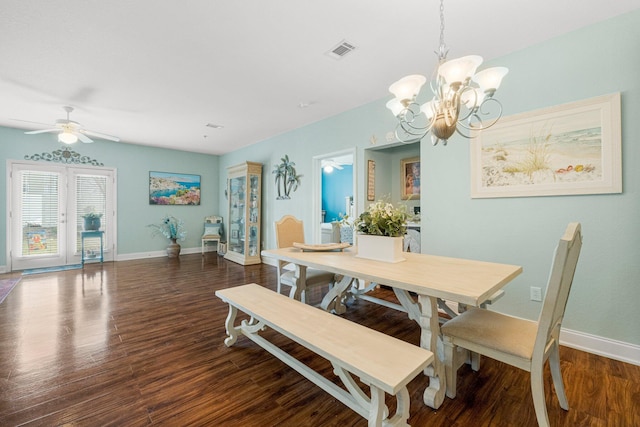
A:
x,y
155,72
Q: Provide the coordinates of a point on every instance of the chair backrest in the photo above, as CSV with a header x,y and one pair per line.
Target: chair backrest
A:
x,y
213,226
289,229
212,219
558,287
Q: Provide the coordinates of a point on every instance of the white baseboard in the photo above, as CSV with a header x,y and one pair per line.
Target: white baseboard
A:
x,y
617,350
155,254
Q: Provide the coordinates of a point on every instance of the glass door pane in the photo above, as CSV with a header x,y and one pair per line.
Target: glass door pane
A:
x,y
237,212
38,226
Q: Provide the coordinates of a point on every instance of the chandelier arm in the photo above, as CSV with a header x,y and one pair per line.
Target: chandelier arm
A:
x,y
479,111
407,138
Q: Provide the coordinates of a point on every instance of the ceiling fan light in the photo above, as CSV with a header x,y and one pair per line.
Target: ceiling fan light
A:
x,y
328,169
67,137
407,88
457,71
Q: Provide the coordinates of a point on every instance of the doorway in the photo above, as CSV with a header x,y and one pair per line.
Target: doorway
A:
x,y
346,157
46,208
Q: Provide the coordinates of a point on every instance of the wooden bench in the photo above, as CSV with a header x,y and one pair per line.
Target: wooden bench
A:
x,y
384,363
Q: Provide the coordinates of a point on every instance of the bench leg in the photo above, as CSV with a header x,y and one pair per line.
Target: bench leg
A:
x,y
377,408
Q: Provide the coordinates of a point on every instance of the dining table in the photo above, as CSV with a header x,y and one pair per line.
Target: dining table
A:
x,y
419,283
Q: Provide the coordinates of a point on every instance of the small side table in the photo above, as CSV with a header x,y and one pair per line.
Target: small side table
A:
x,y
89,235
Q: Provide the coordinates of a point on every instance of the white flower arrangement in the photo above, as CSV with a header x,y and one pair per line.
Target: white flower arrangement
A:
x,y
383,219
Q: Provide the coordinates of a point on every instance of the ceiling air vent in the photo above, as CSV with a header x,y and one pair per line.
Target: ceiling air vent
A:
x,y
340,50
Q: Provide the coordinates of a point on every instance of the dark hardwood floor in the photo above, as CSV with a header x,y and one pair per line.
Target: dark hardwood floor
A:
x,y
141,343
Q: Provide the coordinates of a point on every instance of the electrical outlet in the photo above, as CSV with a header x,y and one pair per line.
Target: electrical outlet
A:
x,y
536,293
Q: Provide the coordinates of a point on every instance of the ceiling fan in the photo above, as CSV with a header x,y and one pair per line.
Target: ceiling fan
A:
x,y
330,164
70,131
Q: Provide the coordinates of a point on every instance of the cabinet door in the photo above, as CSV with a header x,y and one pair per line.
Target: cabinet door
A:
x,y
237,214
254,215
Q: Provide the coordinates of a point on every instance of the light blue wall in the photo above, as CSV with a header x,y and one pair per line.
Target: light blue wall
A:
x,y
133,163
597,60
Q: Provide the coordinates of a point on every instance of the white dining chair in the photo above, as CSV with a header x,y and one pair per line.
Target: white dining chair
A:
x,y
522,343
290,230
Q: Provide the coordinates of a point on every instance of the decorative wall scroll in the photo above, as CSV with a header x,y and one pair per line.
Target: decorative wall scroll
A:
x,y
64,155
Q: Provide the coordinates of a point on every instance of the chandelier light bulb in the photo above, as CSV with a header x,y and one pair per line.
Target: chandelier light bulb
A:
x,y
472,98
457,71
407,88
489,80
429,109
395,106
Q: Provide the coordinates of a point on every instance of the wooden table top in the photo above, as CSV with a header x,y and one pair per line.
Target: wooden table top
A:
x,y
461,280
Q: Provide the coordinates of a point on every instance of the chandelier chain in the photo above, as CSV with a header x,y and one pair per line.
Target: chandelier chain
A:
x,y
442,49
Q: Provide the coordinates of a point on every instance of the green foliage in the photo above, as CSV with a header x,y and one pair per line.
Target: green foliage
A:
x,y
383,219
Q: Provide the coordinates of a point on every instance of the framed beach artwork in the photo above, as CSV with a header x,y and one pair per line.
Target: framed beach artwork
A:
x,y
563,150
410,178
169,188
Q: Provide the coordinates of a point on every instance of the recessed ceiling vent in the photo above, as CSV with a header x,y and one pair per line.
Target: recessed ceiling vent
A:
x,y
341,50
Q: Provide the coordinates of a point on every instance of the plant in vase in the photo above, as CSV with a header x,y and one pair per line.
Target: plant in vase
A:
x,y
92,221
173,229
381,229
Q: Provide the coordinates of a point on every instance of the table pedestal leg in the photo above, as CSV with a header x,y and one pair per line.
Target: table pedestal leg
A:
x,y
425,313
430,339
334,299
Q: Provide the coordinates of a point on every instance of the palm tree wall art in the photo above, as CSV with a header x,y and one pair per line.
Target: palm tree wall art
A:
x,y
286,178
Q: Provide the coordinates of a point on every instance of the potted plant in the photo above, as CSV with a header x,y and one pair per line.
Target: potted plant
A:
x,y
173,229
92,221
381,229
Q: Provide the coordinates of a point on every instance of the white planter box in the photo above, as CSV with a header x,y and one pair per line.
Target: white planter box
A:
x,y
379,248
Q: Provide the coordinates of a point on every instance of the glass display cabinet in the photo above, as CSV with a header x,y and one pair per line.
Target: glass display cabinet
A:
x,y
244,190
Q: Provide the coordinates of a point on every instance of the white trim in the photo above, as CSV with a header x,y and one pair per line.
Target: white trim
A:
x,y
613,349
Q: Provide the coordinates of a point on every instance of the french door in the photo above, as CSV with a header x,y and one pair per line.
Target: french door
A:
x,y
47,205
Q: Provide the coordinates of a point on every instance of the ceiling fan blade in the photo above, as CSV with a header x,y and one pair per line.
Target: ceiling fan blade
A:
x,y
83,138
102,135
29,121
34,132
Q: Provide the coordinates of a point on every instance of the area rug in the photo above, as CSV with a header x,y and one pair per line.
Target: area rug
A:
x,y
6,286
51,269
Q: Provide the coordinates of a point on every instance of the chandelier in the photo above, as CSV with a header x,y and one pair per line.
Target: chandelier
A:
x,y
461,97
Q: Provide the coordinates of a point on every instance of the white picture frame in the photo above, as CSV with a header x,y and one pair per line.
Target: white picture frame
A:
x,y
569,149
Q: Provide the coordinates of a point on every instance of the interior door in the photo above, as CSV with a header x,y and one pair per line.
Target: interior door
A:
x,y
46,213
